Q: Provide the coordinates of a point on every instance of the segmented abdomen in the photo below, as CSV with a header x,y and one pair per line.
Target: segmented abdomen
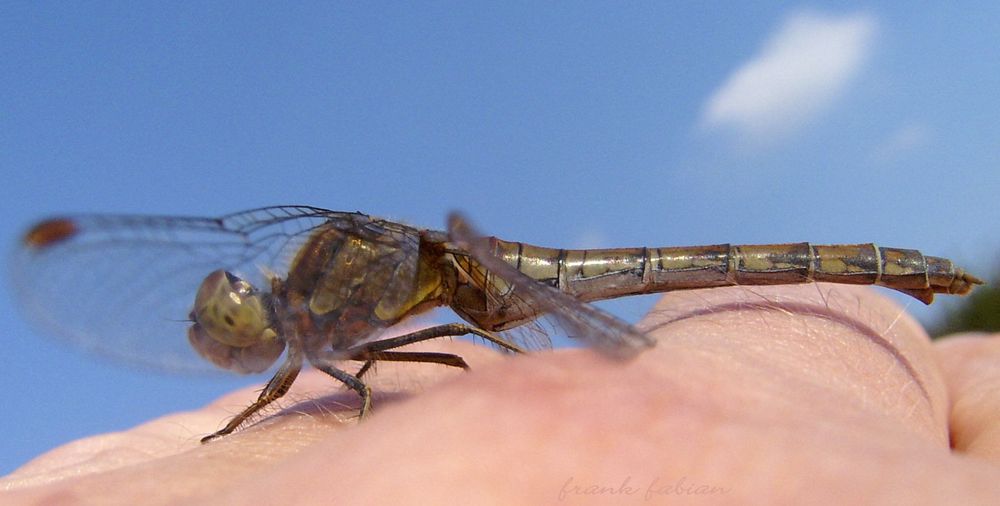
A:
x,y
606,273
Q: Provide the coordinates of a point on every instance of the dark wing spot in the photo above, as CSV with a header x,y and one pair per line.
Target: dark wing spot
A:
x,y
50,232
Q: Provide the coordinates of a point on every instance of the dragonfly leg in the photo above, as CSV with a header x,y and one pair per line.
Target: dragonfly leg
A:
x,y
377,350
446,330
275,388
364,368
351,381
406,356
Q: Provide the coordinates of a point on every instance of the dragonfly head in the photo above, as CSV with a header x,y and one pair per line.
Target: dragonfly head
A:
x,y
232,325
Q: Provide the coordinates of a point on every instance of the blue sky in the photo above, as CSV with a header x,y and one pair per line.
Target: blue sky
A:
x,y
591,124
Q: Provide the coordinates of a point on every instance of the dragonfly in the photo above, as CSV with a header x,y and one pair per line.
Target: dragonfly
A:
x,y
320,287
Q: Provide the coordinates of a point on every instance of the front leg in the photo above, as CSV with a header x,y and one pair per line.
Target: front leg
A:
x,y
274,390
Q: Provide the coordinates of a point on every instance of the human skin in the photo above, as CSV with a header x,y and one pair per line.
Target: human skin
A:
x,y
815,393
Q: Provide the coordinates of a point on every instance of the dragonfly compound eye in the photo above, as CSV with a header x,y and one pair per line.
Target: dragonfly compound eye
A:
x,y
231,324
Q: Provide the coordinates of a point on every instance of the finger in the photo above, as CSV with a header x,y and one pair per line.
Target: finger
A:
x,y
164,459
818,351
804,397
971,367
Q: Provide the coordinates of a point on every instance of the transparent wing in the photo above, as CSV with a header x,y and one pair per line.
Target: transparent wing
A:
x,y
560,311
123,286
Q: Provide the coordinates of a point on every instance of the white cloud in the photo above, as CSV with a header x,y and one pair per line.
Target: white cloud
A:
x,y
590,239
798,73
906,139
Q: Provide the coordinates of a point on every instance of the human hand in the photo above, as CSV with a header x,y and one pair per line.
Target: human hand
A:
x,y
810,393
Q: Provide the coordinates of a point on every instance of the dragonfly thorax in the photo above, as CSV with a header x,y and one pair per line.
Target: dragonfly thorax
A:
x,y
232,324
